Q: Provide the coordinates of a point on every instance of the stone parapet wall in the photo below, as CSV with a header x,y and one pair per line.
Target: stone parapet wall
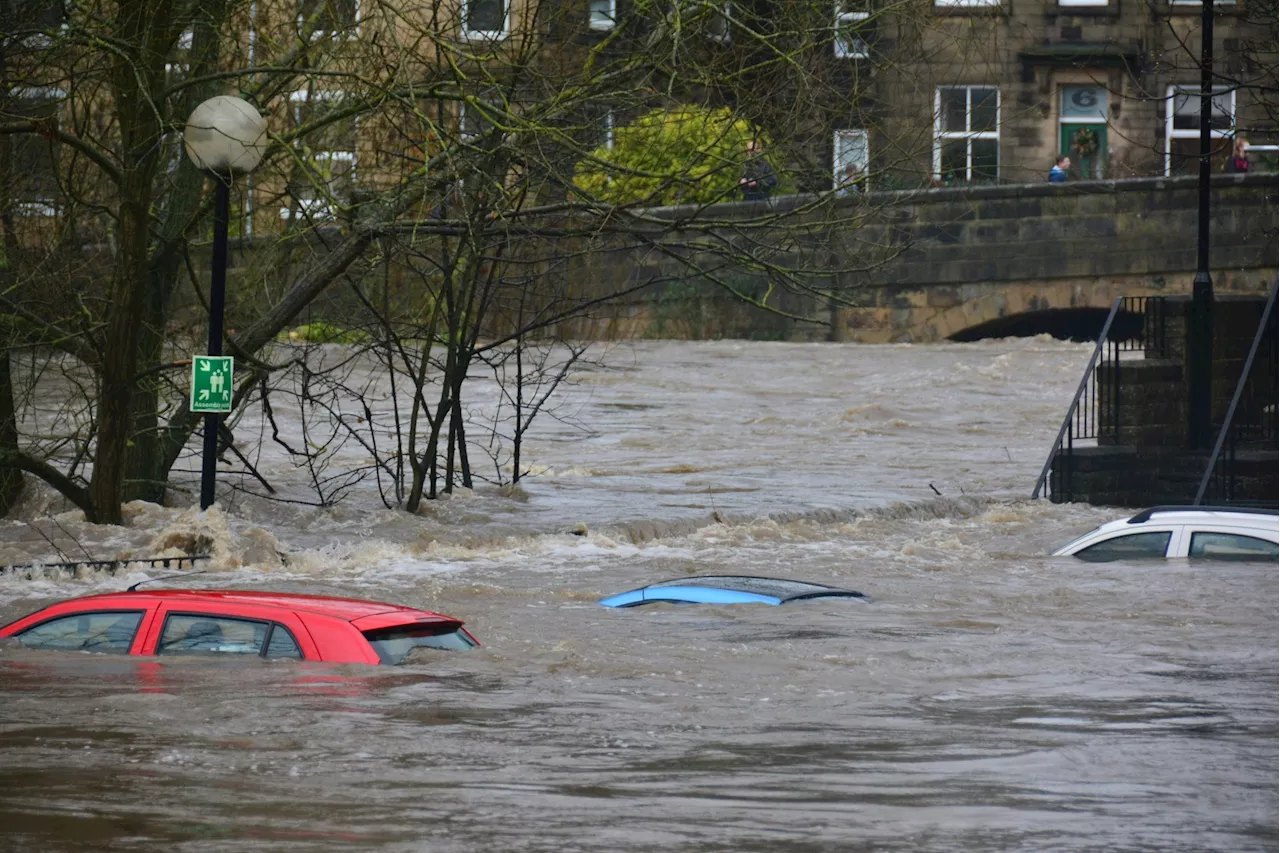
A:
x,y
906,266
945,260
1150,409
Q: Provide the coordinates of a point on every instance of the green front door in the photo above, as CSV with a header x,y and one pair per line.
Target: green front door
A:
x,y
1086,145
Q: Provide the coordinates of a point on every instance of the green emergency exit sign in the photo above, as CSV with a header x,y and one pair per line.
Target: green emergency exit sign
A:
x,y
211,383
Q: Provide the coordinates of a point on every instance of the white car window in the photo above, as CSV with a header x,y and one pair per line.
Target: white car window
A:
x,y
1231,546
1132,546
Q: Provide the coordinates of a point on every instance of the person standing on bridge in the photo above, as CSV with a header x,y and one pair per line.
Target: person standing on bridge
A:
x,y
758,179
1239,162
1058,174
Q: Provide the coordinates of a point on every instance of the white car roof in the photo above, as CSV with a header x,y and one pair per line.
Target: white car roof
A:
x,y
1260,519
1167,517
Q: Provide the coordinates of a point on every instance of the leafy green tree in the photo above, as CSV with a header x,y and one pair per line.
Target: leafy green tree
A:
x,y
686,155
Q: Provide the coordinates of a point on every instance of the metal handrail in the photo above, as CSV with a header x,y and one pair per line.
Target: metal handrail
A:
x,y
1235,398
111,566
1075,401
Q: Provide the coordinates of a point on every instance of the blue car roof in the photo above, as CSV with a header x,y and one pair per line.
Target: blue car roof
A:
x,y
727,589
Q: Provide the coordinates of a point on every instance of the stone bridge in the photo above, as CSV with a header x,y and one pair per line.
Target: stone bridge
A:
x,y
977,262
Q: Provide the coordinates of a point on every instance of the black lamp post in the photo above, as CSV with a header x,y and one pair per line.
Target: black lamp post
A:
x,y
1200,318
225,137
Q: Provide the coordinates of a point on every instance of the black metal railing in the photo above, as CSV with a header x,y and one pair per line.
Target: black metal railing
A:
x,y
69,568
1135,323
1250,422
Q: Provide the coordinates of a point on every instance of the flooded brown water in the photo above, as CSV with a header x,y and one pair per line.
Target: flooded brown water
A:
x,y
988,697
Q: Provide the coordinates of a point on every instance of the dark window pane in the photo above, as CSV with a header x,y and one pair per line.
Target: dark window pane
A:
x,y
1132,547
1220,116
475,122
986,159
1184,155
1186,111
955,157
954,110
1232,546
211,635
20,16
282,644
35,172
90,632
334,15
601,130
486,16
984,112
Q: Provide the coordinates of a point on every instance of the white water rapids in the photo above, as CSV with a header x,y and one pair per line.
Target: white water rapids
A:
x,y
988,697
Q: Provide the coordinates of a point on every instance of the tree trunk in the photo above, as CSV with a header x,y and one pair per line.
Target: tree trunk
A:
x,y
148,468
120,352
133,77
10,478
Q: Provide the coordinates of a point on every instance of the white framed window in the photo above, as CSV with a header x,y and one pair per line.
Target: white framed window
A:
x,y
603,14
965,3
247,228
1182,126
326,157
331,18
850,157
485,19
966,145
35,158
603,129
1094,3
849,43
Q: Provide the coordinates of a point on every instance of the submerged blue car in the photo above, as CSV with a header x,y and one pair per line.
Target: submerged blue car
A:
x,y
727,589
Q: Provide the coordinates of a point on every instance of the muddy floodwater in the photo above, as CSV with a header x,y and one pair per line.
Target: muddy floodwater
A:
x,y
987,697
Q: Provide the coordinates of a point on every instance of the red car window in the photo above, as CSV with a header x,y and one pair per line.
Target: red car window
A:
x,y
228,629
207,634
394,644
110,631
281,644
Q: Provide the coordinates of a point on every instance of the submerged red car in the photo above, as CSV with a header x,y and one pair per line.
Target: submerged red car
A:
x,y
232,622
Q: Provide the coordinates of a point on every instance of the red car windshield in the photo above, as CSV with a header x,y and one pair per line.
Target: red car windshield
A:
x,y
394,644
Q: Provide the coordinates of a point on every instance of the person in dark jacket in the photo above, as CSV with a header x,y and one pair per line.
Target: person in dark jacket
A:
x,y
1239,161
758,179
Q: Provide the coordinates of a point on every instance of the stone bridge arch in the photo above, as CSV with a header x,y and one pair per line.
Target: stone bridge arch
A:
x,y
1064,308
1023,259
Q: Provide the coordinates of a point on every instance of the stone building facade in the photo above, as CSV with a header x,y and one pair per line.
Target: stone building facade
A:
x,y
900,96
1001,88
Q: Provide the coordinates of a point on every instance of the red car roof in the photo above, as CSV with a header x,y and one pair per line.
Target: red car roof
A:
x,y
350,609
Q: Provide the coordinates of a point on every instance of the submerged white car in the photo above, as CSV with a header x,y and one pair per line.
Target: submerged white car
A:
x,y
1198,532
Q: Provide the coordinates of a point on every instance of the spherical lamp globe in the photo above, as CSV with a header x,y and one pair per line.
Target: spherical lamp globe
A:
x,y
225,135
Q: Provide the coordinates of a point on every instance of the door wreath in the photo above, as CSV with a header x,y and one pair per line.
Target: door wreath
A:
x,y
1085,142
